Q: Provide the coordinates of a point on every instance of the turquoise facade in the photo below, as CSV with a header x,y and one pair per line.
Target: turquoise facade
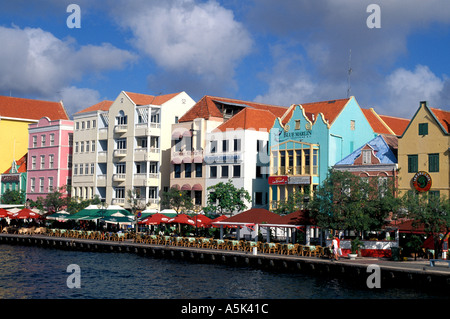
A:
x,y
333,141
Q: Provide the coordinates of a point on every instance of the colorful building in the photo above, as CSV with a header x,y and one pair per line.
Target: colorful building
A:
x,y
375,159
15,177
308,140
15,116
49,157
423,152
220,139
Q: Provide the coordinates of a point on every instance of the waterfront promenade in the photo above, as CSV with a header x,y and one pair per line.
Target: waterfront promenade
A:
x,y
414,274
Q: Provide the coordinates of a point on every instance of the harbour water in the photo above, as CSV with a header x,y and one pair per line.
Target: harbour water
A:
x,y
41,273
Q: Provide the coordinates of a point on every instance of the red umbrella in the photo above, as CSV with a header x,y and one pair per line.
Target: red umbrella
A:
x,y
25,213
182,219
155,219
4,213
202,221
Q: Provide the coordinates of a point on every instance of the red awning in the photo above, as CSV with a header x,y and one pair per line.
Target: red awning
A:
x,y
176,186
197,187
186,187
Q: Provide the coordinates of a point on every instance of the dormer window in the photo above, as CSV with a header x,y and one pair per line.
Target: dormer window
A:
x,y
367,157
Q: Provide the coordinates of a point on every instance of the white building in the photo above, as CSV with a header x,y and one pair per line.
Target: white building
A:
x,y
125,145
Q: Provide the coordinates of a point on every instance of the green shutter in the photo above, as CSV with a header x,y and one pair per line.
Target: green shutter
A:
x,y
423,128
433,163
413,163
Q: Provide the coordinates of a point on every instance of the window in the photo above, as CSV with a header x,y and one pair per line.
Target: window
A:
x,y
92,168
81,147
177,170
237,144
88,124
81,169
76,147
213,146
121,119
50,184
94,123
297,124
423,128
77,125
258,198
352,125
197,197
87,146
213,171
32,185
187,170
433,163
82,125
224,145
413,163
236,170
75,169
34,141
33,162
120,168
366,156
42,161
41,184
198,170
51,158
176,119
152,192
153,168
52,139
93,146
224,171
42,140
120,192
121,144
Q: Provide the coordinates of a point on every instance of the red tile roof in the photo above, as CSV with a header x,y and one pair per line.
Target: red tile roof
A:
x,y
254,215
377,124
101,106
22,162
15,107
396,124
443,117
249,118
145,99
206,108
330,110
299,217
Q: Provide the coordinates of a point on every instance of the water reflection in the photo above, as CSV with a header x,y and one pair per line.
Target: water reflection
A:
x,y
33,272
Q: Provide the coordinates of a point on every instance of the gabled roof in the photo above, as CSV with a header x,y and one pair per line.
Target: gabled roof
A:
x,y
145,99
377,124
380,148
253,216
396,124
249,118
443,117
21,108
330,110
206,108
22,163
101,106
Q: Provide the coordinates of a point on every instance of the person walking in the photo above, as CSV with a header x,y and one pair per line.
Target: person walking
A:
x,y
335,245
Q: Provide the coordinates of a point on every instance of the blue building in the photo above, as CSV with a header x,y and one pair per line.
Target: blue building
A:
x,y
309,139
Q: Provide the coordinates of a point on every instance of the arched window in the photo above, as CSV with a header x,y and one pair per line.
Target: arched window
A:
x,y
121,118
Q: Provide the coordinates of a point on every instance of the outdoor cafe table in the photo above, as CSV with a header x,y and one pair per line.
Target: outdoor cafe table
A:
x,y
178,241
219,243
190,241
204,242
234,244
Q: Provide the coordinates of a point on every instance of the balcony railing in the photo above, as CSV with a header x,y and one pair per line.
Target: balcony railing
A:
x,y
120,153
119,177
122,128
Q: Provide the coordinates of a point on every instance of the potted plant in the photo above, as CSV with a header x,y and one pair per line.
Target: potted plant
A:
x,y
356,245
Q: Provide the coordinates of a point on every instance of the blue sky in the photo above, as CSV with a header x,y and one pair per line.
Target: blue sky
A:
x,y
279,52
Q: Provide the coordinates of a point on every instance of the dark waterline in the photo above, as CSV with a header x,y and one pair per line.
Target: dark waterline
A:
x,y
40,273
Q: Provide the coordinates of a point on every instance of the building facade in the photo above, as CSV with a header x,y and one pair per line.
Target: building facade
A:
x,y
308,140
219,139
16,115
15,177
423,153
125,145
49,157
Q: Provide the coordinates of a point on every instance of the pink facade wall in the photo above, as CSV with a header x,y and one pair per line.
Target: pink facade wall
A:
x,y
60,130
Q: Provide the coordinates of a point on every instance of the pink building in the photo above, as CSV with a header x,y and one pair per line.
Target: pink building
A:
x,y
49,156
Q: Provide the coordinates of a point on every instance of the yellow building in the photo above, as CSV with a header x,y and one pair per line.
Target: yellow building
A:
x,y
15,115
423,153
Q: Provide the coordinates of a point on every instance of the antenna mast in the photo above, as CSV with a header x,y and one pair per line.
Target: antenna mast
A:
x,y
349,87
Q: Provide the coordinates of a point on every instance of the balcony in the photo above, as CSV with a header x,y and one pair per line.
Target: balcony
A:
x,y
120,153
101,180
118,201
120,129
146,129
144,179
147,154
119,177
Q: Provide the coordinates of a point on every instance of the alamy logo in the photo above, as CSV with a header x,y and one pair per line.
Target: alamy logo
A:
x,y
374,19
73,20
74,279
374,280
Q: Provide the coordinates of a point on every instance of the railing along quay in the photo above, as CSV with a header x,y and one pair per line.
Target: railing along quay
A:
x,y
393,274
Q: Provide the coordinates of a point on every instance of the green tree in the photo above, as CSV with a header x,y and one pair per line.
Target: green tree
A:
x,y
348,202
13,197
176,200
433,212
293,203
225,198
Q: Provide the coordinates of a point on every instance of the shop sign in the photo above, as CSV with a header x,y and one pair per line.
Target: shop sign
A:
x,y
278,180
422,181
300,180
10,178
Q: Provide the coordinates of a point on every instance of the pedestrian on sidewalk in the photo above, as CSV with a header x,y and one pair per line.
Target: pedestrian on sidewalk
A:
x,y
335,246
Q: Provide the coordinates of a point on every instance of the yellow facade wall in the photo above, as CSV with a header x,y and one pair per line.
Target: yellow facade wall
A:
x,y
435,142
13,141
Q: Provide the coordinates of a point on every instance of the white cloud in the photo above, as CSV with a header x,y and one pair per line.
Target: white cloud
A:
x,y
406,88
76,99
35,62
187,38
